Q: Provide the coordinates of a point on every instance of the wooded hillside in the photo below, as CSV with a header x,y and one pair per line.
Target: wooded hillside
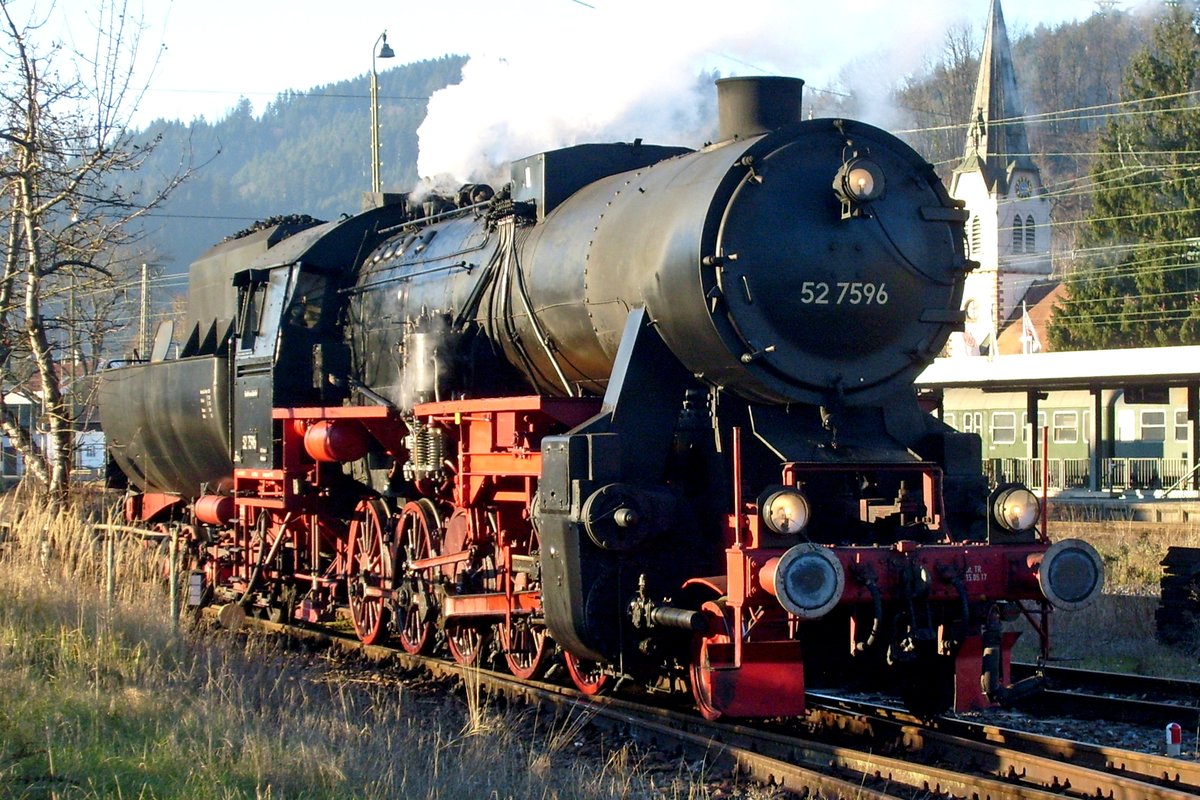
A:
x,y
309,151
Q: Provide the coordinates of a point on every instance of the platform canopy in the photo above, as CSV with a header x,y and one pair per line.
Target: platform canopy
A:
x,y
1036,374
1088,369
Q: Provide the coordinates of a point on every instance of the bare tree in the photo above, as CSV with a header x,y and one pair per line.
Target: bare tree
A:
x,y
939,101
69,167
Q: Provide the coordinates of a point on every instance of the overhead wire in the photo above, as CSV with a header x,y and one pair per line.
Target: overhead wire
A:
x,y
1080,186
1062,114
1147,174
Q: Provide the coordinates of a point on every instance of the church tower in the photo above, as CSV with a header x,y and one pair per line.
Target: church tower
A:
x,y
1009,228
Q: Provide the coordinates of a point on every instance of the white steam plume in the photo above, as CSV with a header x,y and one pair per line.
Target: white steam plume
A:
x,y
624,70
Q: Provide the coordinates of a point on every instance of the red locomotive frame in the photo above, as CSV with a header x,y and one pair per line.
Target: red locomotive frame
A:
x,y
284,547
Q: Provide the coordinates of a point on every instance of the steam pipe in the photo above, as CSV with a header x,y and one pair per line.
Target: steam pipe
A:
x,y
269,557
876,621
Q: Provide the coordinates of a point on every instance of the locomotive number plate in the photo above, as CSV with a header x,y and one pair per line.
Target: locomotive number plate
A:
x,y
851,293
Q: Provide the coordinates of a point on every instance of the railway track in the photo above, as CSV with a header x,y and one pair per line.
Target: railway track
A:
x,y
1115,696
1041,760
845,749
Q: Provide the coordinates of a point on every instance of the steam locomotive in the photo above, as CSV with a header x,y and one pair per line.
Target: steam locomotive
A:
x,y
646,407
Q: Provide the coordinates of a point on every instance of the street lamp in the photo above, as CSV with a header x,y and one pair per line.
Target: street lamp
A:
x,y
385,51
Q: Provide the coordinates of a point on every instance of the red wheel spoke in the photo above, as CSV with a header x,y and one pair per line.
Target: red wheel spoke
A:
x,y
415,535
369,571
525,648
466,643
588,676
526,644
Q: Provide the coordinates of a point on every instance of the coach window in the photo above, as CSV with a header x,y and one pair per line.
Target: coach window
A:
x,y
972,422
948,418
1004,427
1154,426
1025,425
1126,429
1066,427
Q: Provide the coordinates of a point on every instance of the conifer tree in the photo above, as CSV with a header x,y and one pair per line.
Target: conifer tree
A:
x,y
1138,281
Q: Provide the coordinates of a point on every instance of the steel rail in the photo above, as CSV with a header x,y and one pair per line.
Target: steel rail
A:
x,y
1061,677
1075,768
977,767
1120,697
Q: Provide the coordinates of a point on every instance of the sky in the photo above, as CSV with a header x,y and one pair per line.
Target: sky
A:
x,y
543,72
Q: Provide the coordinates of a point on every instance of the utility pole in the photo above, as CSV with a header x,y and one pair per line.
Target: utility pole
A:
x,y
73,338
143,348
72,347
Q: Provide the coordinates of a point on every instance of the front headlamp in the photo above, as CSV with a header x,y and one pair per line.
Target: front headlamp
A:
x,y
1015,508
785,511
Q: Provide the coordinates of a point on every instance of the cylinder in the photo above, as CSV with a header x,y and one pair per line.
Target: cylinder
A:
x,y
752,278
215,509
336,440
753,105
738,252
682,618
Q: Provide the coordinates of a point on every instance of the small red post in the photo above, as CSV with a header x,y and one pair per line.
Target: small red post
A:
x,y
1174,738
737,485
1045,509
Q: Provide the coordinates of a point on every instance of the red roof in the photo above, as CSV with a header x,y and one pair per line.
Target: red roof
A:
x,y
1039,302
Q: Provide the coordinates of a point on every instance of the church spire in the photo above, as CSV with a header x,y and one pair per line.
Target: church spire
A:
x,y
996,140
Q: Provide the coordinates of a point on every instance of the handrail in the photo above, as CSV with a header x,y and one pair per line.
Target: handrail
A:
x,y
1116,473
1182,480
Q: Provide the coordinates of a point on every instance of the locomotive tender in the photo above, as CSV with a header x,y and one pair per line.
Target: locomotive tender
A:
x,y
648,406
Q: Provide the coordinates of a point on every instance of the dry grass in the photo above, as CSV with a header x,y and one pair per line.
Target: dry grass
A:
x,y
105,705
1117,632
118,704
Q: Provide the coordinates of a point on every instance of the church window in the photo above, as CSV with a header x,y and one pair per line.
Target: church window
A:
x,y
976,235
1018,240
1030,236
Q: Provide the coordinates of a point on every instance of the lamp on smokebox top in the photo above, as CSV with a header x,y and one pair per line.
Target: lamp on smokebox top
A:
x,y
858,182
385,51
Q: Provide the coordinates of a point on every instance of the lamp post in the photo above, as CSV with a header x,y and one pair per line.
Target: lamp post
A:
x,y
385,51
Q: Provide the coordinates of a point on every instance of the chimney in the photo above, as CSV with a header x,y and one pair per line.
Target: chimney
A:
x,y
750,106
